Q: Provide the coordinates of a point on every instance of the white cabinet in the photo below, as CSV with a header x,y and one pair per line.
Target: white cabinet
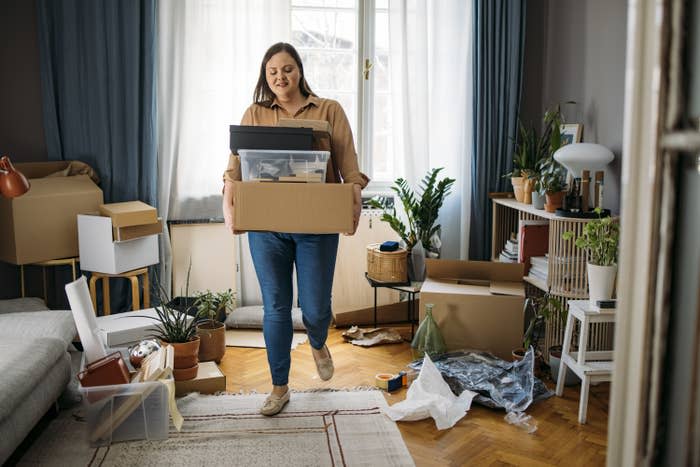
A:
x,y
351,291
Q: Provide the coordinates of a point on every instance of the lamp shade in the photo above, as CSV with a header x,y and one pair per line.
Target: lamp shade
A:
x,y
583,156
12,182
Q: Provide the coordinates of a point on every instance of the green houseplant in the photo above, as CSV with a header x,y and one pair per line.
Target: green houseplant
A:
x,y
211,307
599,238
179,330
420,208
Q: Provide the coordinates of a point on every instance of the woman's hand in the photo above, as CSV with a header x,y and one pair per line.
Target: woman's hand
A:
x,y
227,207
356,207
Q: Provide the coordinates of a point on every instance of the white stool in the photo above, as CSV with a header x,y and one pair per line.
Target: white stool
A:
x,y
591,367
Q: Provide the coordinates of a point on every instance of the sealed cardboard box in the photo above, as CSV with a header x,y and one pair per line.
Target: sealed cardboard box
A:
x,y
41,224
129,213
477,304
293,207
98,253
209,380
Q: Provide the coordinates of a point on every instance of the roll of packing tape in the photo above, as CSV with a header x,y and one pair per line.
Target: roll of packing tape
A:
x,y
382,380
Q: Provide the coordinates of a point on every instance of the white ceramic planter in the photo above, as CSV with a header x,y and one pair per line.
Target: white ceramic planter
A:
x,y
601,282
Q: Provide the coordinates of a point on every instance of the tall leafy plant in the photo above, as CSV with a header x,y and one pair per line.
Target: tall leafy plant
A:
x,y
421,208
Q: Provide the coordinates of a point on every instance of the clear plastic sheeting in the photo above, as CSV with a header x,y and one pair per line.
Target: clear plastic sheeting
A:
x,y
498,384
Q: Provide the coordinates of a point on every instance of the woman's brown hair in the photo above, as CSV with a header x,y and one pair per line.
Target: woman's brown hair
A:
x,y
263,95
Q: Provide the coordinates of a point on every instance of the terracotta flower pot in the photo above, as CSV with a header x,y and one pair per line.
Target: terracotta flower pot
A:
x,y
212,341
528,186
518,188
186,357
553,201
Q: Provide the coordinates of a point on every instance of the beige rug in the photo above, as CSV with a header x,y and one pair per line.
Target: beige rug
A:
x,y
254,338
338,428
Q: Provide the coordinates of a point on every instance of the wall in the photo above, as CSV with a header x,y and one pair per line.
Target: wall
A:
x,y
585,62
21,125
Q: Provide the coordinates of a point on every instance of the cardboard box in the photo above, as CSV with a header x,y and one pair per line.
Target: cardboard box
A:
x,y
477,304
129,213
41,224
98,253
121,234
392,313
209,380
293,207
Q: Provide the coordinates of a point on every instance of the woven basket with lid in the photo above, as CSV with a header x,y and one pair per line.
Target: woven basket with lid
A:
x,y
386,266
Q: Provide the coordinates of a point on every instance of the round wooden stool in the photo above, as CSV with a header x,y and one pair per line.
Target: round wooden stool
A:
x,y
133,276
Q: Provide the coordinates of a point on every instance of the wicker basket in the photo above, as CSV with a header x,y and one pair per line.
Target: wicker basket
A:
x,y
386,266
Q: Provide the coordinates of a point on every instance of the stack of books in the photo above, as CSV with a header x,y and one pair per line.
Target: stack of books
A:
x,y
538,268
509,254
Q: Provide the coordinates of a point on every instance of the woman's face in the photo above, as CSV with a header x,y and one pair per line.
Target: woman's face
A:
x,y
283,76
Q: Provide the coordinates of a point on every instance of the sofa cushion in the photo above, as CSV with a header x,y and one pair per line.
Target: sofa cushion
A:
x,y
58,324
23,365
251,317
22,304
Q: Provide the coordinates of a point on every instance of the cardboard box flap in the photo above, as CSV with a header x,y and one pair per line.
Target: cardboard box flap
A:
x,y
478,270
455,287
40,169
507,288
50,187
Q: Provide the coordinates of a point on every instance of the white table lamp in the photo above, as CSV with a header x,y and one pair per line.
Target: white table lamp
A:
x,y
583,156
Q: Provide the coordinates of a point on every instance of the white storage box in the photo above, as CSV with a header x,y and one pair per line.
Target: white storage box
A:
x,y
284,166
98,253
125,412
123,329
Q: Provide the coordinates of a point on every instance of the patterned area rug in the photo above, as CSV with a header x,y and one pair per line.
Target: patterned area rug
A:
x,y
338,428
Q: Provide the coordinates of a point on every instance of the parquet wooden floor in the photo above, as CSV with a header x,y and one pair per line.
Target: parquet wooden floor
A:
x,y
481,438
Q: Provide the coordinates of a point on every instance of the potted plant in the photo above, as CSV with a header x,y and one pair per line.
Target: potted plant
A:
x,y
600,238
552,183
179,330
525,157
541,309
211,330
538,196
421,212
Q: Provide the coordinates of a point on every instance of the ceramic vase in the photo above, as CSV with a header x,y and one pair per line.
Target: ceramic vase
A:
x,y
601,282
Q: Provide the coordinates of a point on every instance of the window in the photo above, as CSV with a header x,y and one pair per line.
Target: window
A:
x,y
341,43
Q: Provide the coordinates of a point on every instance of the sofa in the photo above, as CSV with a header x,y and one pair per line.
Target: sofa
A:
x,y
35,365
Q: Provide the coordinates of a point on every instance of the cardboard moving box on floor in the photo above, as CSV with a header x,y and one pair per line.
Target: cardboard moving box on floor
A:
x,y
209,380
41,224
477,304
293,207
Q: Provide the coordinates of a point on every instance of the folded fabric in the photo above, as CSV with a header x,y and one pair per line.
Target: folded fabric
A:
x,y
389,246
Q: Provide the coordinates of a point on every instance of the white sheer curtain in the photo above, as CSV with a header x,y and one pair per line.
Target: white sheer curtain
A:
x,y
209,58
431,87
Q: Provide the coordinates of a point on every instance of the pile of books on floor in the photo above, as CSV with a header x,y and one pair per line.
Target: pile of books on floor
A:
x,y
538,268
509,254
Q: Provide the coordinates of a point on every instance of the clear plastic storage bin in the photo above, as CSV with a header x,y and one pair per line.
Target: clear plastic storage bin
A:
x,y
284,166
125,412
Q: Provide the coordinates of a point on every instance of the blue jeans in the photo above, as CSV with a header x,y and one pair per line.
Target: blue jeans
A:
x,y
274,255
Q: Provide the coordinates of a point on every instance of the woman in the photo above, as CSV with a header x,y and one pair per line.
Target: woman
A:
x,y
282,92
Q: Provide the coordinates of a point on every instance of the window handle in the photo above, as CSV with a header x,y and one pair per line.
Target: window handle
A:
x,y
368,67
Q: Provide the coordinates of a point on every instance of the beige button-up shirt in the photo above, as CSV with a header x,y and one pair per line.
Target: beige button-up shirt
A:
x,y
342,147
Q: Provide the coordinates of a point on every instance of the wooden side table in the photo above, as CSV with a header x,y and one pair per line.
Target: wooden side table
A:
x,y
72,262
590,366
133,276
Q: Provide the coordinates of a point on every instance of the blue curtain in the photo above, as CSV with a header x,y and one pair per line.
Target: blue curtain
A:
x,y
98,68
499,32
98,83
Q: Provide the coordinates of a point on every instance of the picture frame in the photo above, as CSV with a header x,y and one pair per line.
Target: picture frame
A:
x,y
571,133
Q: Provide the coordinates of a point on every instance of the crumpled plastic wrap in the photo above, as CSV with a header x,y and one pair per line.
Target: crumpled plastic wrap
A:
x,y
498,384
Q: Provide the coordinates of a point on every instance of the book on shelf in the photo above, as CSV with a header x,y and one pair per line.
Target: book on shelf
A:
x,y
533,240
539,261
505,257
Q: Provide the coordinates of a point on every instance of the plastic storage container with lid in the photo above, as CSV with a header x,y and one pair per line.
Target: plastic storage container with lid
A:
x,y
283,165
